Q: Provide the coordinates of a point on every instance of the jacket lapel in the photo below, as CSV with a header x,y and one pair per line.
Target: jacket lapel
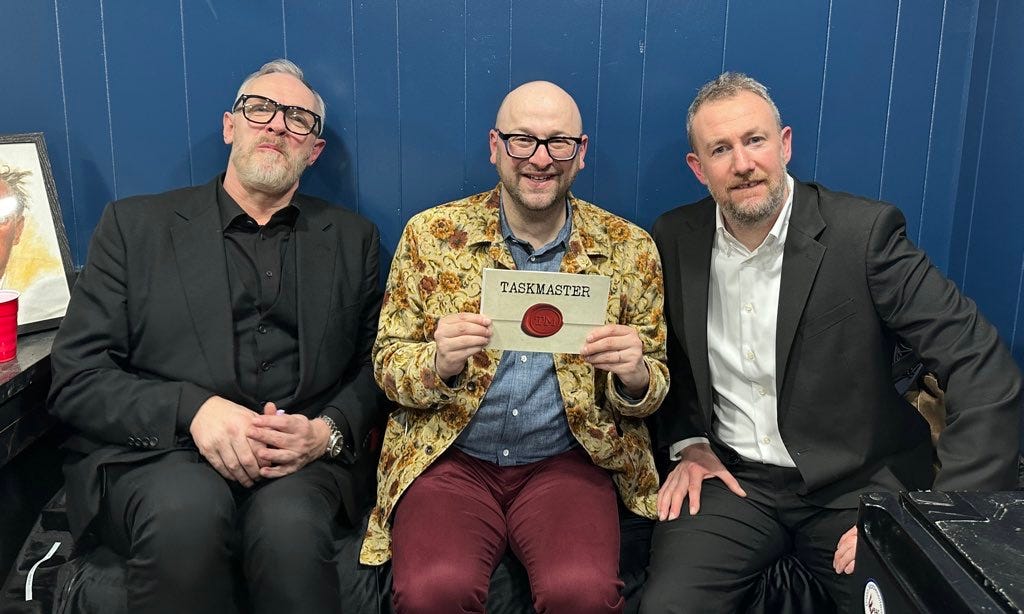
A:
x,y
698,235
800,262
202,266
315,264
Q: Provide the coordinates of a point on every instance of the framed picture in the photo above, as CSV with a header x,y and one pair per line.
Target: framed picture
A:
x,y
34,256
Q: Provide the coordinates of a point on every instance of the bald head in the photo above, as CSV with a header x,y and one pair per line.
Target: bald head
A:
x,y
539,99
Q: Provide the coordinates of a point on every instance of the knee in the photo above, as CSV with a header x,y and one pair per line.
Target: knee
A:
x,y
276,526
578,588
439,587
663,596
195,517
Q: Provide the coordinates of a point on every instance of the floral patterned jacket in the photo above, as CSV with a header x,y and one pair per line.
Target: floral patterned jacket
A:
x,y
437,270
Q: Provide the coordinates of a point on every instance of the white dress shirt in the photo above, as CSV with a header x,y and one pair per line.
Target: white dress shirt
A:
x,y
743,305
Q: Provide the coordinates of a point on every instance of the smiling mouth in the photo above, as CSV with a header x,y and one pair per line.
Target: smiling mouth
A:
x,y
747,185
539,177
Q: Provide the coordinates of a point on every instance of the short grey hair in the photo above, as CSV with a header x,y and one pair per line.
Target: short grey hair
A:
x,y
14,179
727,85
287,67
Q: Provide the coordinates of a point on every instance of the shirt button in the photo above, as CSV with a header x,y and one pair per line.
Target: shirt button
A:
x,y
262,329
504,452
522,358
766,440
748,308
533,259
750,355
515,412
265,365
270,273
762,391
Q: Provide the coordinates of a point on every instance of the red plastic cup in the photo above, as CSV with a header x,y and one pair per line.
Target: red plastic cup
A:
x,y
8,325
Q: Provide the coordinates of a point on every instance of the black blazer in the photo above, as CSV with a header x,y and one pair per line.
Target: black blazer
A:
x,y
150,322
852,285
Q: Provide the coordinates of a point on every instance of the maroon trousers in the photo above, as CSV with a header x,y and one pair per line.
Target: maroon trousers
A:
x,y
559,516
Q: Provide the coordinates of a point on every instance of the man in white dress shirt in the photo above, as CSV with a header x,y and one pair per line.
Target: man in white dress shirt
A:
x,y
784,301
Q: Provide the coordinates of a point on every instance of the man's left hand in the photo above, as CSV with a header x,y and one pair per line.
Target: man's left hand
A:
x,y
293,441
846,552
617,348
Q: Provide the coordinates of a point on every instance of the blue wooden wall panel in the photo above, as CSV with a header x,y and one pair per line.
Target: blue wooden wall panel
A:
x,y
683,49
614,146
946,139
320,40
33,100
995,253
562,51
799,31
907,100
224,41
378,150
147,95
908,115
90,181
856,95
486,58
977,101
433,106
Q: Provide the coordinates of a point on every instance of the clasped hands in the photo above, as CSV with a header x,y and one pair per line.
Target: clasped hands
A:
x,y
698,463
615,348
245,447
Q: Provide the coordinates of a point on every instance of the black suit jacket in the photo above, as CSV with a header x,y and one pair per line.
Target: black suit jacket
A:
x,y
852,285
150,321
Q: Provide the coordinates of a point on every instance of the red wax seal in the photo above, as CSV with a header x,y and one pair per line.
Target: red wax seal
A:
x,y
542,320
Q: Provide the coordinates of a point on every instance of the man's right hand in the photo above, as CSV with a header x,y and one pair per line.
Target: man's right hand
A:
x,y
219,429
459,336
697,463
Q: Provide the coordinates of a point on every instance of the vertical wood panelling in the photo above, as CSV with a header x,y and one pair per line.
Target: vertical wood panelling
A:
x,y
484,61
224,42
431,35
561,51
792,71
147,102
320,41
91,165
947,136
915,102
683,50
34,100
613,135
995,243
856,95
379,117
908,122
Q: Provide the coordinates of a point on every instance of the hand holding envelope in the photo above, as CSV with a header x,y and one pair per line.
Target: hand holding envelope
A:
x,y
458,336
617,348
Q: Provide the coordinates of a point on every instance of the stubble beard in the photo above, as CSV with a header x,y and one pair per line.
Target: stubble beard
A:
x,y
530,208
259,171
755,213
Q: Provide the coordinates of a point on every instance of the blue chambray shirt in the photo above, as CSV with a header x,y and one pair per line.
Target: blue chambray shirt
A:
x,y
521,418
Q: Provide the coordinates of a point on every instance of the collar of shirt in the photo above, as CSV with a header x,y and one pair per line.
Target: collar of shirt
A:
x,y
562,240
776,239
233,216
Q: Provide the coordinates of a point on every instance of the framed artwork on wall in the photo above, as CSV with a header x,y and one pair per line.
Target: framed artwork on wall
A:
x,y
34,256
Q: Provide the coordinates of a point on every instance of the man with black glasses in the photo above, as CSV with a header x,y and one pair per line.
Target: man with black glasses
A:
x,y
523,451
215,365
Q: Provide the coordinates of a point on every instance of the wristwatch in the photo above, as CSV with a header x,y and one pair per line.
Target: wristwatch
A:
x,y
336,442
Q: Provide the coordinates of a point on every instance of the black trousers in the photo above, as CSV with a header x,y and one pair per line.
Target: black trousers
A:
x,y
710,561
186,532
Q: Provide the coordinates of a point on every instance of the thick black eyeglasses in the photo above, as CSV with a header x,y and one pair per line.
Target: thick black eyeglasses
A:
x,y
261,110
523,146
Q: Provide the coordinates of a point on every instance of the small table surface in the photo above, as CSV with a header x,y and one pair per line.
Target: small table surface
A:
x,y
23,422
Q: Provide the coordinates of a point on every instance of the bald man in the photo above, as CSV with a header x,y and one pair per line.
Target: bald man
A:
x,y
523,451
